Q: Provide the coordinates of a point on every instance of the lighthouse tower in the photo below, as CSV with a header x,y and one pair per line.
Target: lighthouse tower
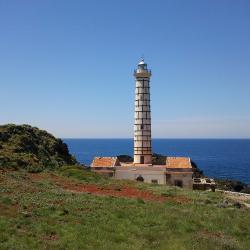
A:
x,y
142,125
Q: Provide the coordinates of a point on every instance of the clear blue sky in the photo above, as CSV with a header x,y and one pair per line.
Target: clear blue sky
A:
x,y
67,66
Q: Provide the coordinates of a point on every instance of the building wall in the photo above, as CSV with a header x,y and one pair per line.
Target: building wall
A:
x,y
160,175
105,173
148,175
185,178
147,158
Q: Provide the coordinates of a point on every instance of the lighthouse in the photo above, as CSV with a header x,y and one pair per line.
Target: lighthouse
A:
x,y
142,122
176,171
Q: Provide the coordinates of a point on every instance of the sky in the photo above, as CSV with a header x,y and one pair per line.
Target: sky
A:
x,y
67,66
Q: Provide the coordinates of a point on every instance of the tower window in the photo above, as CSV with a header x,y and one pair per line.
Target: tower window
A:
x,y
142,126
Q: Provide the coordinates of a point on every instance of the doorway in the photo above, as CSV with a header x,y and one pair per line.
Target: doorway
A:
x,y
140,178
178,183
142,159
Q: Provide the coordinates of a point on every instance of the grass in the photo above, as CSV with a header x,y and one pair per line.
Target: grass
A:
x,y
37,213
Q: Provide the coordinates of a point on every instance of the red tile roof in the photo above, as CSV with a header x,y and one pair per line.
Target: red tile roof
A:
x,y
105,162
178,162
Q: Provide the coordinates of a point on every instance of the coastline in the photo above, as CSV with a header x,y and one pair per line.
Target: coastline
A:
x,y
219,159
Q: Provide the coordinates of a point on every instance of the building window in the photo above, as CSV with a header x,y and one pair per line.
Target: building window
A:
x,y
178,183
154,181
142,126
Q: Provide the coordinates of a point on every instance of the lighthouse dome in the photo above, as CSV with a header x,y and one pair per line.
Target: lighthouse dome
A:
x,y
141,62
142,66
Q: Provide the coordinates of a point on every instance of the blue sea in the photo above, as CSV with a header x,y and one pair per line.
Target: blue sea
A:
x,y
220,158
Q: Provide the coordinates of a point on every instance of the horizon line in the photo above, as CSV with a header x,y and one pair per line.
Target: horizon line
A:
x,y
157,138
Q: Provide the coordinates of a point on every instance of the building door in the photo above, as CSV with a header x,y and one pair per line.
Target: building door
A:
x,y
142,159
178,183
168,178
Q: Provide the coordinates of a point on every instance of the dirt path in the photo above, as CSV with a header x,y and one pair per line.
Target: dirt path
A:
x,y
123,191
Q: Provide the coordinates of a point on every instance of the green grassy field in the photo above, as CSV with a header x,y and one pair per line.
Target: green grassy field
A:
x,y
37,211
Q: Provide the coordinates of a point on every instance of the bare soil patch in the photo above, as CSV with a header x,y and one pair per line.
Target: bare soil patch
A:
x,y
9,211
212,234
124,191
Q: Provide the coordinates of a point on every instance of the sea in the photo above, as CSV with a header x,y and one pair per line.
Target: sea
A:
x,y
218,158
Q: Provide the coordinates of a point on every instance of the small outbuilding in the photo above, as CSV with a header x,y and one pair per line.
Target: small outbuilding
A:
x,y
179,171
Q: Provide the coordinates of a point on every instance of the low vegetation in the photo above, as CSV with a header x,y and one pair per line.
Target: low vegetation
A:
x,y
232,185
72,208
48,201
30,148
125,158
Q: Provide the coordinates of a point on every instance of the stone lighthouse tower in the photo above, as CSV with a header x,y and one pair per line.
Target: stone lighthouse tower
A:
x,y
142,125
